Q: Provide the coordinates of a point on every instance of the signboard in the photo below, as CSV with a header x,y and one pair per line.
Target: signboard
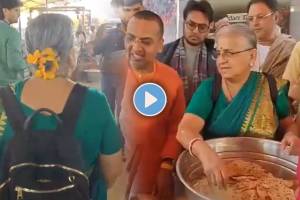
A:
x,y
237,18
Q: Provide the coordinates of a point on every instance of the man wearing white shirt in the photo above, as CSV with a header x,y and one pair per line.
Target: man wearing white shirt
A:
x,y
262,52
274,48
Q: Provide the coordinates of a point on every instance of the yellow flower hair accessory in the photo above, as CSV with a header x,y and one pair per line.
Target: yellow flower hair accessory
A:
x,y
46,62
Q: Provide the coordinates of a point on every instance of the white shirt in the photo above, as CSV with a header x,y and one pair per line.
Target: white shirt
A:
x,y
262,52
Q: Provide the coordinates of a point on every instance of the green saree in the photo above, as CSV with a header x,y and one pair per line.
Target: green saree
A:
x,y
250,113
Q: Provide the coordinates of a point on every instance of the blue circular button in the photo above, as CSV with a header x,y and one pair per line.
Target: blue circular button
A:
x,y
149,99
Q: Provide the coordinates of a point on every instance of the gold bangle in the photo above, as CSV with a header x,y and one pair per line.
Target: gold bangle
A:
x,y
166,166
191,144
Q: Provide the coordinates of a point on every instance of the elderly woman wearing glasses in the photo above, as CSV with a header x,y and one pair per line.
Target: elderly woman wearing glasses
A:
x,y
237,102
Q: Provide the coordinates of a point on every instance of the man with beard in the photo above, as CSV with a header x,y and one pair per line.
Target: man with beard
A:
x,y
12,64
111,46
273,48
150,140
192,56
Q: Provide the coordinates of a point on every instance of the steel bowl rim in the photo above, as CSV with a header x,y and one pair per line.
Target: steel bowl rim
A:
x,y
183,181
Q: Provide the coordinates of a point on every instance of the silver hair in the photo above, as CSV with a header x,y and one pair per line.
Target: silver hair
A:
x,y
238,30
51,31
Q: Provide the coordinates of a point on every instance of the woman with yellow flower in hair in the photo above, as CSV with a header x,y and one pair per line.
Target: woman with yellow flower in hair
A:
x,y
49,40
46,63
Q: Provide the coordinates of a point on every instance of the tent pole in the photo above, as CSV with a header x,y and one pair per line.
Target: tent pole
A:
x,y
20,26
178,18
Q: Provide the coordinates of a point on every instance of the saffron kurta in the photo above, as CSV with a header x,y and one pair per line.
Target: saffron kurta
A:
x,y
151,139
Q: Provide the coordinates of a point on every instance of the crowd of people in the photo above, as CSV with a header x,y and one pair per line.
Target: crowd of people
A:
x,y
244,81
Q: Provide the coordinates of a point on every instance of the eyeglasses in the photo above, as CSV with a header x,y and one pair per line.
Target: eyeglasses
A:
x,y
192,26
258,17
229,54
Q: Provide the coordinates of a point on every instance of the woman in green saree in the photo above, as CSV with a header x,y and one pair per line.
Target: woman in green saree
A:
x,y
243,107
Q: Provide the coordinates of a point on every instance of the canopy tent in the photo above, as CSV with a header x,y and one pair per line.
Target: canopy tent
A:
x,y
38,3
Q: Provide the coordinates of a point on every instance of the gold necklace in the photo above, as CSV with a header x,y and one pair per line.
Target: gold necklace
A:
x,y
229,92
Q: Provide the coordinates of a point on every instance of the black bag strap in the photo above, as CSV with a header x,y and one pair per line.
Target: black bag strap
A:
x,y
13,109
216,88
29,119
72,108
273,87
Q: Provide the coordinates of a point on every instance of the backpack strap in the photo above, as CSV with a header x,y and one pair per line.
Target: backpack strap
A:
x,y
273,87
72,108
216,88
13,109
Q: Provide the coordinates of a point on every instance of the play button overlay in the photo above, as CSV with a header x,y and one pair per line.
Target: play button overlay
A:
x,y
149,99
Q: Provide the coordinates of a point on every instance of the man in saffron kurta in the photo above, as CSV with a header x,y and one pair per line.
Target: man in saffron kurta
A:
x,y
150,141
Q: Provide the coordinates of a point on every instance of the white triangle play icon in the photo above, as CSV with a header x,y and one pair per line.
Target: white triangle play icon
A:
x,y
149,99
